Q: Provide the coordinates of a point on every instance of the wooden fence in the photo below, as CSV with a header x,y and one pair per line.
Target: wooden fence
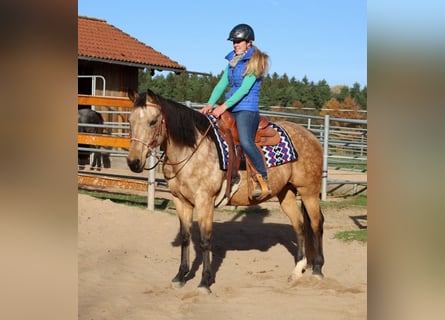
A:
x,y
102,140
129,183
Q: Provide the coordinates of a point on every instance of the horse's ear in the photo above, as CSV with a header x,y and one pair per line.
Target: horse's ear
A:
x,y
152,97
132,95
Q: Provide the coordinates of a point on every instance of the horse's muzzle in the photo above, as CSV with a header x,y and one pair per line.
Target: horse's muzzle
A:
x,y
135,165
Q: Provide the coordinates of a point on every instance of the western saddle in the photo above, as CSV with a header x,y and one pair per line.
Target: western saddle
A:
x,y
265,136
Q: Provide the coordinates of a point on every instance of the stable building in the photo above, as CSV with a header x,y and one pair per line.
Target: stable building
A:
x,y
109,59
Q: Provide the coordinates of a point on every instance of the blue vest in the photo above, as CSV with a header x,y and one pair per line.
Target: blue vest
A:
x,y
251,100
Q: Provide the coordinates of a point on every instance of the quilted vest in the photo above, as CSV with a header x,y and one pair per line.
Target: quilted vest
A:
x,y
251,100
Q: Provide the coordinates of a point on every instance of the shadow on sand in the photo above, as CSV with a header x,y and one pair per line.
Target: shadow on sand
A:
x,y
249,233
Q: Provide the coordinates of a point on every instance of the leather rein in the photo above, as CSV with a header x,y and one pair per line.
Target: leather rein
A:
x,y
158,132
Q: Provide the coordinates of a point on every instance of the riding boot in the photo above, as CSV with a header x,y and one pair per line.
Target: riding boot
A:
x,y
262,188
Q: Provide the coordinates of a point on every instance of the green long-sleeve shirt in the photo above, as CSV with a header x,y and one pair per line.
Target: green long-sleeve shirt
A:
x,y
222,84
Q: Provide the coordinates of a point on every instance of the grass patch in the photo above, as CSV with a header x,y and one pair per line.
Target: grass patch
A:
x,y
360,201
356,167
357,235
356,201
129,199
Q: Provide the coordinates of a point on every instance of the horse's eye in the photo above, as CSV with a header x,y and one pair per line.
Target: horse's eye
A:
x,y
152,122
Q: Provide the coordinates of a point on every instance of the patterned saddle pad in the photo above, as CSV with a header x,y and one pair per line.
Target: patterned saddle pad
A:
x,y
275,155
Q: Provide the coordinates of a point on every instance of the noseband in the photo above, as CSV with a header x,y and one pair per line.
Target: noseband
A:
x,y
154,141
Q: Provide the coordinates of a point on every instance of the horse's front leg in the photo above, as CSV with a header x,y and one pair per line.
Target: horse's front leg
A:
x,y
185,215
205,221
97,161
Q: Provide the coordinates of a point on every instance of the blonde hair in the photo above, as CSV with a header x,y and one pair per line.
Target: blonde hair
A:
x,y
258,63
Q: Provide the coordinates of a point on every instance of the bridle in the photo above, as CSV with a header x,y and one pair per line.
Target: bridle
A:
x,y
158,132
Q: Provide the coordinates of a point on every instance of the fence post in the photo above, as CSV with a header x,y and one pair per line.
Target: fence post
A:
x,y
324,177
151,181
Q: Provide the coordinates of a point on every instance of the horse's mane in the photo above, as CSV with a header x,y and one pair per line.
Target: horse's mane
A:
x,y
181,121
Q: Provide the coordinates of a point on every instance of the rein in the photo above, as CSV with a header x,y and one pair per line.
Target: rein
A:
x,y
194,150
156,135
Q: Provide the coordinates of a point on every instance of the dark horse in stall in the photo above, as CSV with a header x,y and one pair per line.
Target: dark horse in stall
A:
x,y
89,116
191,167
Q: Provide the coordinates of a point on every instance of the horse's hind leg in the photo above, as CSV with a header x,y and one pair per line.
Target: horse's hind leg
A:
x,y
313,232
106,160
289,205
185,215
97,161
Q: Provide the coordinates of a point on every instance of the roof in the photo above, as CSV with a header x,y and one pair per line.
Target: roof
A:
x,y
100,41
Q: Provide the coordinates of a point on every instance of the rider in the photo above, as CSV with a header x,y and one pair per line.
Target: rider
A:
x,y
245,70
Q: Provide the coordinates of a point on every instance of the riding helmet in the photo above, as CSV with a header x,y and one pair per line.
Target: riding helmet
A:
x,y
241,32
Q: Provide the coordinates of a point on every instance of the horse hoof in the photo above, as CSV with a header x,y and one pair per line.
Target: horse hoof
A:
x,y
294,277
299,269
318,276
316,272
177,284
205,290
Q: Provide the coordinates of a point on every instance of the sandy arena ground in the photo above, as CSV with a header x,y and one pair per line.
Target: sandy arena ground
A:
x,y
127,257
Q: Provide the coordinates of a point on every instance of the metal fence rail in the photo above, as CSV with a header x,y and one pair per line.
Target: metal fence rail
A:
x,y
345,144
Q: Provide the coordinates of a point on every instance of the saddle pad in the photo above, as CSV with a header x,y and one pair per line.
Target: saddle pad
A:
x,y
275,155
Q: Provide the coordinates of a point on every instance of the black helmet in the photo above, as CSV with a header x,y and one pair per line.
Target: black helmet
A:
x,y
241,32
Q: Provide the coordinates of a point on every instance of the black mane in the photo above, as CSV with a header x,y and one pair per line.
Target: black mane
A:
x,y
182,122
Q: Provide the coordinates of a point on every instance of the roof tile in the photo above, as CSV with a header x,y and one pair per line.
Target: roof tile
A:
x,y
98,39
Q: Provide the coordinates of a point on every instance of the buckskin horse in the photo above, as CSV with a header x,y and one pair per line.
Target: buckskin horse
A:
x,y
191,165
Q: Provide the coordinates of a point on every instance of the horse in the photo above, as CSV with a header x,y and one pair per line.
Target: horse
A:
x,y
195,179
89,116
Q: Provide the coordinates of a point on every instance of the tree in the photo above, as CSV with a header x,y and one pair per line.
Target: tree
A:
x,y
271,91
344,92
353,109
276,90
359,95
349,109
144,79
332,108
321,93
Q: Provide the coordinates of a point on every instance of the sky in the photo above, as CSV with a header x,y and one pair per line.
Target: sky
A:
x,y
317,39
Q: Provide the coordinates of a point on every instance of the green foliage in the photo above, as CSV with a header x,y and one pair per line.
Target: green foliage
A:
x,y
276,90
358,235
356,201
130,199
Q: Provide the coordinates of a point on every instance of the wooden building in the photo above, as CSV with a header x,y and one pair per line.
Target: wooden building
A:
x,y
106,52
109,61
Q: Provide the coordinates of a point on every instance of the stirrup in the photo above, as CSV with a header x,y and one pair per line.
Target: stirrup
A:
x,y
264,190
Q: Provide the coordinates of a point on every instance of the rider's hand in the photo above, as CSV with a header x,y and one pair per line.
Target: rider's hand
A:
x,y
207,109
219,110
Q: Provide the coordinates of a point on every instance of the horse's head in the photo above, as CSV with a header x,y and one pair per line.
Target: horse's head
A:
x,y
147,128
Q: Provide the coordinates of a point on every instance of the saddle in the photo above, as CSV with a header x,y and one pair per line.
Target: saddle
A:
x,y
265,136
